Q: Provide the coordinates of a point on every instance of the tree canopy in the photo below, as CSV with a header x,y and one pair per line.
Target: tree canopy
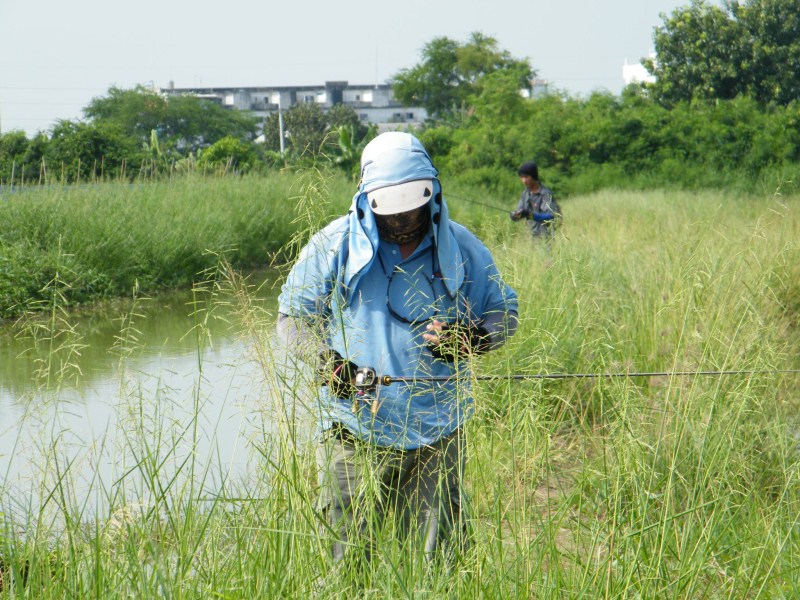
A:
x,y
707,52
185,122
452,72
309,130
722,113
91,150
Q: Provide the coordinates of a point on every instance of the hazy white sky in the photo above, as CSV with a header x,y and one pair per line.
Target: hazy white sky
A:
x,y
56,55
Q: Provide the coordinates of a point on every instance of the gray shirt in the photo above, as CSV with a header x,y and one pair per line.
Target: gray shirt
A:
x,y
540,201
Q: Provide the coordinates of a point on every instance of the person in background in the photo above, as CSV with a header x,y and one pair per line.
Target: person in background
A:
x,y
394,288
537,203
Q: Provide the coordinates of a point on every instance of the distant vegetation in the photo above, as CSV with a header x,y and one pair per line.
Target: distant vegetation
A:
x,y
182,176
724,112
82,243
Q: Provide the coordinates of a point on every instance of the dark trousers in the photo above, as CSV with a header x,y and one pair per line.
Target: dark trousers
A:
x,y
361,485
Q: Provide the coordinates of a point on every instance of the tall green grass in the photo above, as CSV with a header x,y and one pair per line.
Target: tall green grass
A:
x,y
665,487
659,487
103,239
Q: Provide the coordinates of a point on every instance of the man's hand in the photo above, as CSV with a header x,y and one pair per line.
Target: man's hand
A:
x,y
448,342
337,373
516,215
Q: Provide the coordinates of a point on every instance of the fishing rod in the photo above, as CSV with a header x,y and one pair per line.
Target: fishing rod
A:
x,y
541,217
366,379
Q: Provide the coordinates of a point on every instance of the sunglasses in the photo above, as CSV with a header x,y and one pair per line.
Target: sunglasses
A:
x,y
411,297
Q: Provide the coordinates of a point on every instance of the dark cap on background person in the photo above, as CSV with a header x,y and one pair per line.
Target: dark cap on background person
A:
x,y
529,168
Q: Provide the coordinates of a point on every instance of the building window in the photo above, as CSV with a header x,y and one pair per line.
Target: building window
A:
x,y
410,116
308,99
363,116
358,97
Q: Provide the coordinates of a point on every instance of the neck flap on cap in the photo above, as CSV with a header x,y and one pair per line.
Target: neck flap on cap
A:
x,y
389,159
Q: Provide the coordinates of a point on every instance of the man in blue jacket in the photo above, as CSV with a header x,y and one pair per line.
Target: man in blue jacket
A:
x,y
394,288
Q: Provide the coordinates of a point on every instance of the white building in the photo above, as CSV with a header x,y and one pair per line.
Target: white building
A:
x,y
636,73
374,104
539,88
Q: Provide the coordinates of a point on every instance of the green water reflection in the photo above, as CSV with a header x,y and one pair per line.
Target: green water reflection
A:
x,y
184,350
169,324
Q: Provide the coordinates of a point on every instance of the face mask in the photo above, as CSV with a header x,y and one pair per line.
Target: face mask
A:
x,y
404,227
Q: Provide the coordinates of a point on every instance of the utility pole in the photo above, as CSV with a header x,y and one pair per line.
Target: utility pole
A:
x,y
280,123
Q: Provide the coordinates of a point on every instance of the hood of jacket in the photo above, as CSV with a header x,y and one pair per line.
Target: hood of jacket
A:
x,y
397,158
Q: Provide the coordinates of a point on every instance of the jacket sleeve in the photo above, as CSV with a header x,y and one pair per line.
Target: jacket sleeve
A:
x,y
307,290
304,304
300,338
493,300
550,206
500,326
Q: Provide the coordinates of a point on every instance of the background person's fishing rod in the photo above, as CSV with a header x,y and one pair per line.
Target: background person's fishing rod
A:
x,y
460,199
545,217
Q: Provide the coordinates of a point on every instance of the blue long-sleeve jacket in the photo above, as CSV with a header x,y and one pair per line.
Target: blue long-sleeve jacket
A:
x,y
373,307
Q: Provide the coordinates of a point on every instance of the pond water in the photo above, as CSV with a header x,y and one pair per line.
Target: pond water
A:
x,y
133,388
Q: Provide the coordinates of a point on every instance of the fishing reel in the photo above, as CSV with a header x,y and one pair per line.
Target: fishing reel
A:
x,y
365,380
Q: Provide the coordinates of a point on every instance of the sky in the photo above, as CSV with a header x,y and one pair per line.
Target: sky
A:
x,y
55,56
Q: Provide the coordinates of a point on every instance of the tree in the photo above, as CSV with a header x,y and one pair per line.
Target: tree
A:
x,y
500,101
272,133
21,158
192,123
83,151
229,154
707,52
136,111
33,160
433,83
450,73
311,131
306,126
348,139
700,53
13,146
774,26
350,145
185,123
342,115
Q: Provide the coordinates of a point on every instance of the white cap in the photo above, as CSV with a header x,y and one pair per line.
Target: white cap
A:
x,y
400,198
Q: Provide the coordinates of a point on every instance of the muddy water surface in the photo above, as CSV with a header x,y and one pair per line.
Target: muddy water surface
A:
x,y
104,397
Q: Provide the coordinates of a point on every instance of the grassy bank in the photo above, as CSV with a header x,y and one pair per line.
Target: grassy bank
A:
x,y
98,241
657,487
662,487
